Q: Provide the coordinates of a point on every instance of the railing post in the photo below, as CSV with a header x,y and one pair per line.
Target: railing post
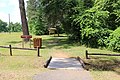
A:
x,y
38,51
86,54
10,50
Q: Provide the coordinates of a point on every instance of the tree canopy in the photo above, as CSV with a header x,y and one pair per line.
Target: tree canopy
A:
x,y
93,23
84,21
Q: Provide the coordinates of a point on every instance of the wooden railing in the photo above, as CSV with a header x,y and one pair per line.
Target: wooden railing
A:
x,y
87,54
10,48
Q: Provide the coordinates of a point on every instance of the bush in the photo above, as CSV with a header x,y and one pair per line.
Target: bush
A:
x,y
95,37
3,26
113,41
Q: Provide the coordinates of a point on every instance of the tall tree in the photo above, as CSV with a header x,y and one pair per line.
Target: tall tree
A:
x,y
23,18
35,16
54,10
60,12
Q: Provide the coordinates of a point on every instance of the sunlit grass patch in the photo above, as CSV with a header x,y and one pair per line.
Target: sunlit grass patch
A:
x,y
105,75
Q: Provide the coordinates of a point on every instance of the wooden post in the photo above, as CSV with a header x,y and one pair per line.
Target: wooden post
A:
x,y
86,54
38,51
10,50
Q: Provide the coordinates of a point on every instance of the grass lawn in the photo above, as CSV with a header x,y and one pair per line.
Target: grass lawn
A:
x,y
23,65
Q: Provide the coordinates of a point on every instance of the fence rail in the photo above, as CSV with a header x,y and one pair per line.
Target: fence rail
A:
x,y
10,48
18,48
87,54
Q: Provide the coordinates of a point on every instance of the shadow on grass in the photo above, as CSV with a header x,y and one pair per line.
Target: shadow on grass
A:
x,y
58,42
104,64
14,42
59,36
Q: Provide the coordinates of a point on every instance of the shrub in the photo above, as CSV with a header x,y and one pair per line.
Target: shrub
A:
x,y
113,41
95,37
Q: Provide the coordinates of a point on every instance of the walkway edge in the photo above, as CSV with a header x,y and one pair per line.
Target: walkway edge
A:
x,y
48,62
82,62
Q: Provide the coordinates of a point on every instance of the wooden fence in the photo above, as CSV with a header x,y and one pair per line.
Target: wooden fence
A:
x,y
87,54
10,48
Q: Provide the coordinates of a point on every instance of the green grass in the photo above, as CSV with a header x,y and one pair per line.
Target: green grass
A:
x,y
23,65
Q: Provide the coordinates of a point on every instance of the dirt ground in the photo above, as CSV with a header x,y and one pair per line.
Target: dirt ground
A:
x,y
60,54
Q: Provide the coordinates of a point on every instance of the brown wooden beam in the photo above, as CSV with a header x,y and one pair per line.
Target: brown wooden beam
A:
x,y
104,54
18,48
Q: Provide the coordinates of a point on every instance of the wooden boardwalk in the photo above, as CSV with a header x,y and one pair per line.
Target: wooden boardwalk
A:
x,y
65,63
64,69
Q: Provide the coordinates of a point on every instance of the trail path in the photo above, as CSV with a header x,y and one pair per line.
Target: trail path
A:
x,y
64,69
63,75
59,54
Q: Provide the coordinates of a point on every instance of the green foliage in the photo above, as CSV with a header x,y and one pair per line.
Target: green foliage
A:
x,y
35,17
15,27
88,3
89,22
92,25
61,12
112,6
54,10
3,26
114,40
73,8
95,37
97,22
92,18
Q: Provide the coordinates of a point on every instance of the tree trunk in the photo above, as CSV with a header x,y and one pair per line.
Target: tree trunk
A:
x,y
23,19
58,30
